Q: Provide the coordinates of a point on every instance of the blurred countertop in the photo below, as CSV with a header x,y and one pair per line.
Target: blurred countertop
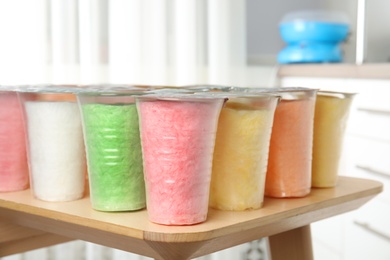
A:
x,y
336,70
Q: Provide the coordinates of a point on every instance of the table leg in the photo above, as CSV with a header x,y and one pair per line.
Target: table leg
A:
x,y
294,244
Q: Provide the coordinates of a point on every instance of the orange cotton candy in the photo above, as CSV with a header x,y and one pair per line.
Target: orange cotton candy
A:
x,y
290,156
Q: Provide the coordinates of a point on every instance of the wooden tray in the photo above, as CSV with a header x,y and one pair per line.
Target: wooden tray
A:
x,y
28,223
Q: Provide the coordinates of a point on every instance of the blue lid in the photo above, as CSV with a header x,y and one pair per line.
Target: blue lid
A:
x,y
314,26
310,31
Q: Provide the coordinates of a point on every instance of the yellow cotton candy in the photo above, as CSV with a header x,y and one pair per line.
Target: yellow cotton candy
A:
x,y
331,114
240,158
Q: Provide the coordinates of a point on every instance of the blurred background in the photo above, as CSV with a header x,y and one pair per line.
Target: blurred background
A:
x,y
168,42
176,42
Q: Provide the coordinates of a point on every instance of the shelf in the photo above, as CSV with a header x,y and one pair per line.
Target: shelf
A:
x,y
337,70
131,231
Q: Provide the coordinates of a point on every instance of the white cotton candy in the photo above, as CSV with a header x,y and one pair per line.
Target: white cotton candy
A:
x,y
56,150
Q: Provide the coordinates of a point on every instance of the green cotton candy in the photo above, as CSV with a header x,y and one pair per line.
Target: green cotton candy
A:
x,y
114,157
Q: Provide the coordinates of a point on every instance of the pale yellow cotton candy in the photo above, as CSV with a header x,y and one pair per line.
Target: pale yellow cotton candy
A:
x,y
331,114
240,158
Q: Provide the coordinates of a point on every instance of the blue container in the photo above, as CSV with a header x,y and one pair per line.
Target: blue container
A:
x,y
313,36
310,53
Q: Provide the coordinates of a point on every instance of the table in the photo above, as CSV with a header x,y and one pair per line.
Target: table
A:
x,y
27,223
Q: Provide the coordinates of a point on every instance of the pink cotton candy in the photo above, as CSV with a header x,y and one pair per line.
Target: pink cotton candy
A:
x,y
178,140
13,159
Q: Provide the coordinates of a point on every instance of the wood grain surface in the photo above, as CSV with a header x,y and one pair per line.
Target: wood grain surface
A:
x,y
133,232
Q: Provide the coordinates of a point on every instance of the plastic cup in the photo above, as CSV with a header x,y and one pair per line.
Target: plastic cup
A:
x,y
178,137
330,120
241,152
13,157
55,149
290,154
114,155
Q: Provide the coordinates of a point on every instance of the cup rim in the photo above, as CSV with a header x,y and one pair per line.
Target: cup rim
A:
x,y
336,94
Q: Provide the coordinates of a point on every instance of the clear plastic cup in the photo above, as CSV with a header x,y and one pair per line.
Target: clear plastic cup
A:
x,y
55,149
178,137
13,157
241,152
114,155
290,154
330,121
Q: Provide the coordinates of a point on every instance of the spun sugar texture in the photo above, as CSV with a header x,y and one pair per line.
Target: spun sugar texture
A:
x,y
240,158
331,115
290,157
114,157
13,157
178,142
56,150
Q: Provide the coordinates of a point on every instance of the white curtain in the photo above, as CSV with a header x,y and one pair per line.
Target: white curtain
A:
x,y
168,42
